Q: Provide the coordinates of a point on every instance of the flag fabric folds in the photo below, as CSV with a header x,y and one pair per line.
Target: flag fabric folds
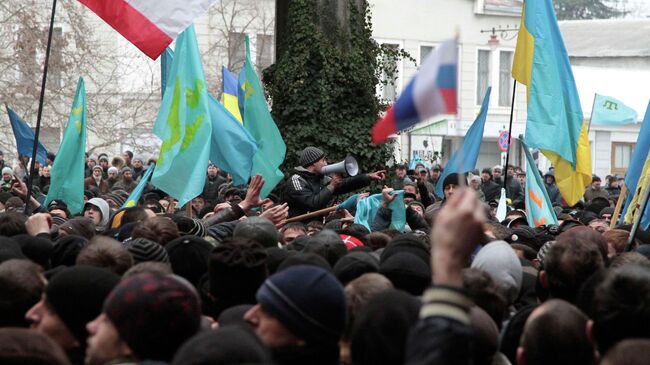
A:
x,y
184,124
610,111
232,148
367,210
539,209
637,197
465,158
555,122
431,92
67,182
149,25
259,123
25,138
166,60
230,96
135,195
637,162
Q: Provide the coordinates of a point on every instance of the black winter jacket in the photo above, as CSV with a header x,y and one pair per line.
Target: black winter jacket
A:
x,y
307,192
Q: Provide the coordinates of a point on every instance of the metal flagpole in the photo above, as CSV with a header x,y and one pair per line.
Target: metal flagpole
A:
x,y
40,112
512,111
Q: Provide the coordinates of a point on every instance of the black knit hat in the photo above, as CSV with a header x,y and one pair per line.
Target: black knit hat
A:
x,y
237,269
310,155
143,250
189,226
154,314
353,265
231,345
66,249
308,301
9,249
450,179
36,249
407,272
189,257
77,294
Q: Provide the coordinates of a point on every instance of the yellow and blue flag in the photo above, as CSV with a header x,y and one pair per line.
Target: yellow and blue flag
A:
x,y
611,111
555,121
67,173
25,138
259,123
184,124
636,168
539,209
135,195
230,93
464,159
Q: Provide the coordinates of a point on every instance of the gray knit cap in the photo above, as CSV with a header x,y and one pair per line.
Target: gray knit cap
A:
x,y
144,250
310,155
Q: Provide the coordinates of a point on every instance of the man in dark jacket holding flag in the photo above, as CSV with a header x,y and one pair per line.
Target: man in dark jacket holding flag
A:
x,y
309,190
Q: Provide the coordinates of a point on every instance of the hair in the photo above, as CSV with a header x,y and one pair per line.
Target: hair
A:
x,y
157,229
628,352
555,334
528,252
134,214
621,306
106,253
485,293
295,226
499,231
617,239
316,225
568,263
377,240
21,286
627,258
595,178
357,294
12,224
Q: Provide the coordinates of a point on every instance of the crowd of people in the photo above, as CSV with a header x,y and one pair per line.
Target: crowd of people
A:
x,y
234,278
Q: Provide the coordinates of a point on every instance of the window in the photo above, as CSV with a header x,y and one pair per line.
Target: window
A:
x,y
483,74
236,51
424,52
264,48
389,85
621,156
505,79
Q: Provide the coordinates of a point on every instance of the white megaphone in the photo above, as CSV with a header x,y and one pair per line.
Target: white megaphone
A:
x,y
349,165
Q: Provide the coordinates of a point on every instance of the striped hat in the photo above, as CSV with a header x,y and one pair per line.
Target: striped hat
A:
x,y
310,155
143,250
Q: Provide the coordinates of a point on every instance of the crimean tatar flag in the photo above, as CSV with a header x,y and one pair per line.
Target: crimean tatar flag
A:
x,y
259,123
67,173
539,209
151,25
555,122
184,124
229,98
431,92
611,111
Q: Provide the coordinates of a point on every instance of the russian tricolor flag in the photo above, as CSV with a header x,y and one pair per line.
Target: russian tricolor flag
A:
x,y
151,25
431,92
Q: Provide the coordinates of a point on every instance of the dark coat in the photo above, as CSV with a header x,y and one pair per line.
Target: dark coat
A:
x,y
90,182
307,192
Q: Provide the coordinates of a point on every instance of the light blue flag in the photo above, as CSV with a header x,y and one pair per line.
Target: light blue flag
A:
x,y
610,111
184,124
165,68
349,204
367,210
135,195
636,165
539,209
465,158
418,160
25,138
232,148
67,173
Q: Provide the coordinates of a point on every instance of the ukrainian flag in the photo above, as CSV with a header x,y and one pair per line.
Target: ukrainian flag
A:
x,y
229,97
555,121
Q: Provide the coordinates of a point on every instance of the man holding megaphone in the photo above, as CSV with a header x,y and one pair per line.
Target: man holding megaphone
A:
x,y
310,189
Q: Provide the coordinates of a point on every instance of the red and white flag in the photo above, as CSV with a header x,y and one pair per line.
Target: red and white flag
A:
x,y
151,25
